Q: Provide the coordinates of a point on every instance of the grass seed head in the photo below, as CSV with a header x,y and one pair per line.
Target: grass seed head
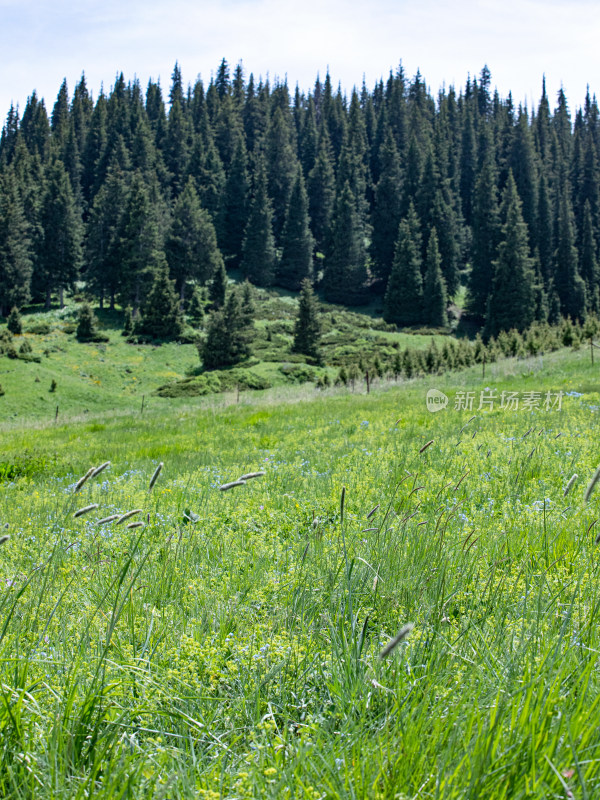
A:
x,y
127,515
249,475
154,478
400,637
591,485
4,539
83,479
425,446
227,486
85,510
135,525
569,485
100,469
104,520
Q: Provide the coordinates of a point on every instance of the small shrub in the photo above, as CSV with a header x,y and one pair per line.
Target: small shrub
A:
x,y
53,385
14,323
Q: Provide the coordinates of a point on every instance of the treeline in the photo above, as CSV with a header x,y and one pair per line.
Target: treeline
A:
x,y
390,191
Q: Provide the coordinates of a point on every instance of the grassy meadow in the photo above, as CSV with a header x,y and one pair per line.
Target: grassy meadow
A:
x,y
230,646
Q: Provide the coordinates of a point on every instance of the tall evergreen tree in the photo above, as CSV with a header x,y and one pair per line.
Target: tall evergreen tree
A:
x,y
307,330
403,302
321,194
235,206
58,262
486,232
588,261
511,302
569,284
297,242
387,210
345,273
161,313
258,249
434,288
191,245
15,247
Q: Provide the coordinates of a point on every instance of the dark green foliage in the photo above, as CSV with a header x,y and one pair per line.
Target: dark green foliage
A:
x,y
14,323
128,322
297,242
191,246
217,287
145,180
569,284
345,275
196,306
388,209
307,330
511,303
161,313
87,326
403,302
434,288
15,246
60,254
258,250
228,333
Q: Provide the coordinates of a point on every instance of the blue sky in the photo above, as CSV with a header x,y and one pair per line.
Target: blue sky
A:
x,y
43,42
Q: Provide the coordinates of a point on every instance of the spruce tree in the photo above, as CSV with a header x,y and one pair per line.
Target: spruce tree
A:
x,y
345,274
403,302
486,232
434,289
14,322
57,266
258,249
87,326
321,194
297,241
15,247
387,209
217,287
228,334
589,261
569,284
191,245
235,209
307,330
161,314
511,302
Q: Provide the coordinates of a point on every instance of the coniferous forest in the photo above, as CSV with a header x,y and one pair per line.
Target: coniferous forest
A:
x,y
391,193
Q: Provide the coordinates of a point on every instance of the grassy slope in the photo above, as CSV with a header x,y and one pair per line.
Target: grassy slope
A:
x,y
114,376
239,656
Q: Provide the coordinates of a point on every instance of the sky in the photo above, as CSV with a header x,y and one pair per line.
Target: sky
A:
x,y
44,41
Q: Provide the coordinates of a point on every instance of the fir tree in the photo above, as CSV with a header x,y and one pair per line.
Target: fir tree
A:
x,y
307,330
297,241
128,322
486,232
588,261
321,194
258,250
15,247
568,281
403,302
387,209
161,315
345,274
217,287
58,263
228,335
434,289
511,303
87,326
191,245
14,323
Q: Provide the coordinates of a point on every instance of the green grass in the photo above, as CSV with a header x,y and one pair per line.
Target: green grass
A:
x,y
238,655
115,376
